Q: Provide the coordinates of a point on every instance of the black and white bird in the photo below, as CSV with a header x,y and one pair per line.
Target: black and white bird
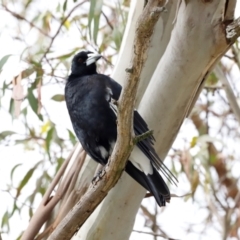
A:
x,y
89,98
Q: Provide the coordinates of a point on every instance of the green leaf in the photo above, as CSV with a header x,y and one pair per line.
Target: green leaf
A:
x,y
46,21
24,111
31,197
72,137
67,24
59,163
28,3
211,80
3,61
67,55
27,72
25,180
5,220
5,86
13,170
32,100
65,5
21,141
48,139
4,134
193,142
11,107
15,208
91,15
194,181
94,15
33,103
98,11
117,37
213,158
30,212
58,98
58,7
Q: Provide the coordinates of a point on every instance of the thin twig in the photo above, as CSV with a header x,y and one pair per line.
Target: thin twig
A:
x,y
229,92
155,234
47,203
107,20
236,205
70,197
59,28
20,17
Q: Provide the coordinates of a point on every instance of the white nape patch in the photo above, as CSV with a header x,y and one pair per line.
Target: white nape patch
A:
x,y
109,94
140,161
103,152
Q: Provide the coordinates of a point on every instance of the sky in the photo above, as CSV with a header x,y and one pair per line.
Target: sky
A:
x,y
12,155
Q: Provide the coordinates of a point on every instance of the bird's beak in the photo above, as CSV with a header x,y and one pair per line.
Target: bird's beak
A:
x,y
92,58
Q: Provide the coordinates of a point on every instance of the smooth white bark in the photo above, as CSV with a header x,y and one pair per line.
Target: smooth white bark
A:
x,y
103,220
127,195
158,45
197,41
192,50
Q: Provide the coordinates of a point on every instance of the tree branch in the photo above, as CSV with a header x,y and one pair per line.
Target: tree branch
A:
x,y
233,30
49,202
155,234
107,20
229,92
98,190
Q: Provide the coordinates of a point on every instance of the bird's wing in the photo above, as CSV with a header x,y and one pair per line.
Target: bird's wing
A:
x,y
140,127
146,146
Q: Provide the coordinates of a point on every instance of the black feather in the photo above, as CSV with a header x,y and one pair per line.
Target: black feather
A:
x,y
89,98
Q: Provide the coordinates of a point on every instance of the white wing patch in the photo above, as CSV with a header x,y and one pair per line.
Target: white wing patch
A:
x,y
103,152
140,161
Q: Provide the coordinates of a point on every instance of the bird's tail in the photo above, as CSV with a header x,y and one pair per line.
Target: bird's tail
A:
x,y
154,183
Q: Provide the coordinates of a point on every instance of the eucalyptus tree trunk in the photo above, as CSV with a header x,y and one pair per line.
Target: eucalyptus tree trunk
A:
x,y
188,40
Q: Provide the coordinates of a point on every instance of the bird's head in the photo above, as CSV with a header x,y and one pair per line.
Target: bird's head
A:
x,y
84,63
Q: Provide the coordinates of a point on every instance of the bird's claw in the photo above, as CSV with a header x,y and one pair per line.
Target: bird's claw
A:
x,y
98,176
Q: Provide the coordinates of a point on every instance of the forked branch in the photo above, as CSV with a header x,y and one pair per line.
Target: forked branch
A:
x,y
113,170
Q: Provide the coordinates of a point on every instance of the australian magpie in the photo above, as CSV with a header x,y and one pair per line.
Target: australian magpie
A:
x,y
89,98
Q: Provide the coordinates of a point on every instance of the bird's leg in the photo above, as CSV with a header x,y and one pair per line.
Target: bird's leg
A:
x,y
99,175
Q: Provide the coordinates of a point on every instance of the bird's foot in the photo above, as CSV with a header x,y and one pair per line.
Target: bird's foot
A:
x,y
98,176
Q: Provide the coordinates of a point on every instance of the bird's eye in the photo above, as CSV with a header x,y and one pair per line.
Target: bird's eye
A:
x,y
80,60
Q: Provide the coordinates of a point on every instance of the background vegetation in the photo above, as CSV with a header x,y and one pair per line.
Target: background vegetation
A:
x,y
37,43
